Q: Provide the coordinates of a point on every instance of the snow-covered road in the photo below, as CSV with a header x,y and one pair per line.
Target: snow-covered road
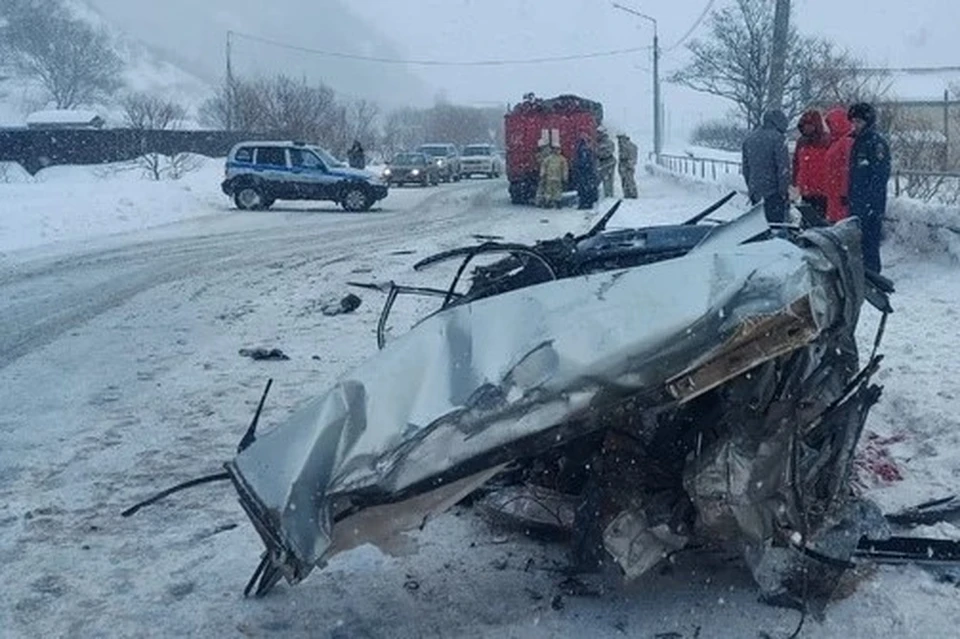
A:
x,y
120,375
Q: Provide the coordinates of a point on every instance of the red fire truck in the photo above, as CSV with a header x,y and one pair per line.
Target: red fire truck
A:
x,y
536,123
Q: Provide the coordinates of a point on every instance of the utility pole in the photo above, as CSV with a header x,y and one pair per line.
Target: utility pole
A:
x,y
657,119
778,55
229,88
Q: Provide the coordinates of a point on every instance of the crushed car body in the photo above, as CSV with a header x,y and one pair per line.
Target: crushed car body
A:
x,y
648,388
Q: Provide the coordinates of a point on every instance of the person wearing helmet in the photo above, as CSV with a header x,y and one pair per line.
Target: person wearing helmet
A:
x,y
554,173
627,156
606,160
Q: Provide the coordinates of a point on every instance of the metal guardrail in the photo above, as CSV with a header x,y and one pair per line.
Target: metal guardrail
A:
x,y
704,168
929,186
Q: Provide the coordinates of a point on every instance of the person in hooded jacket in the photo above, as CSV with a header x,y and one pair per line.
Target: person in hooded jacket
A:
x,y
837,162
766,166
809,161
869,174
585,174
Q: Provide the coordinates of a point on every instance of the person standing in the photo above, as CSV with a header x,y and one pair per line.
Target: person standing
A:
x,y
809,162
869,174
585,174
554,173
627,156
606,161
356,157
766,166
837,162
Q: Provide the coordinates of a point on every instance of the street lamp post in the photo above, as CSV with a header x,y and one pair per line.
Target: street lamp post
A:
x,y
657,122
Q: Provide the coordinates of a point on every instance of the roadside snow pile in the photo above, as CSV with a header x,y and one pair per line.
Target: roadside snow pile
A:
x,y
70,203
929,230
13,173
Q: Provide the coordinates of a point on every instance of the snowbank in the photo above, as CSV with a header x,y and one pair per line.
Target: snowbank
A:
x,y
930,230
79,202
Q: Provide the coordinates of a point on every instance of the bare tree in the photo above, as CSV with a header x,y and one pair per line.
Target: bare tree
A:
x,y
237,106
727,135
734,62
72,60
145,112
363,115
281,106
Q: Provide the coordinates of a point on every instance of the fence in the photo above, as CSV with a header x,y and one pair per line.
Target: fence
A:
x,y
703,168
927,186
35,149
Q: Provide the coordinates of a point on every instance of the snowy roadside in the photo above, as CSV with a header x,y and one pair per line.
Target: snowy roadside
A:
x,y
151,390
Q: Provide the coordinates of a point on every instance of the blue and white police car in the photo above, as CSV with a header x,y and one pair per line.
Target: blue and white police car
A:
x,y
259,173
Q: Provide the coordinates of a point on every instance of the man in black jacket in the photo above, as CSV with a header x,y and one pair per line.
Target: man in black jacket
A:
x,y
766,166
869,174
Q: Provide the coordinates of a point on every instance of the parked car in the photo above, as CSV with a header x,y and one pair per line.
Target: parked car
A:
x,y
481,159
447,159
412,168
259,173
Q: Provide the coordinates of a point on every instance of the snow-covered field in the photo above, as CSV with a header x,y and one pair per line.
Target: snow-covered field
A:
x,y
125,304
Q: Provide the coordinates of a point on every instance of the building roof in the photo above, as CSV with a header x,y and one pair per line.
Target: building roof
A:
x,y
63,116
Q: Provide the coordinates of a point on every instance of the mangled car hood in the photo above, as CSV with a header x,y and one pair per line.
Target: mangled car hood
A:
x,y
439,411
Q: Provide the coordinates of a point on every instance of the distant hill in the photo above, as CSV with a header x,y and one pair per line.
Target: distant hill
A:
x,y
192,34
177,48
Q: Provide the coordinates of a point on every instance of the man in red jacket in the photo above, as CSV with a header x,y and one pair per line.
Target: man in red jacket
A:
x,y
809,161
838,164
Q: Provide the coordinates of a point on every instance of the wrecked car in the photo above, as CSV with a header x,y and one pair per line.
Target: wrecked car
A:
x,y
637,390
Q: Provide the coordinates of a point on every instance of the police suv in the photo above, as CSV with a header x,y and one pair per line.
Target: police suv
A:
x,y
259,173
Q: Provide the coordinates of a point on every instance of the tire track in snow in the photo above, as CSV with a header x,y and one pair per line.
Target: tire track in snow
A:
x,y
47,299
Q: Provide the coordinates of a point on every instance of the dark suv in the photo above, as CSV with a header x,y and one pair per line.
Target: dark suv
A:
x,y
446,157
259,173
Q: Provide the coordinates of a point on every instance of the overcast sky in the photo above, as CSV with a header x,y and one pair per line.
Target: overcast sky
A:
x,y
885,32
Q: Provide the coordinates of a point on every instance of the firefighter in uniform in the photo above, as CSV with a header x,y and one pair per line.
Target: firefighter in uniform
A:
x,y
554,173
606,161
628,166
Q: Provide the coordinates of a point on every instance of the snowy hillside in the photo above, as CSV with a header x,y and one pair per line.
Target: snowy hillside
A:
x,y
144,70
198,43
185,61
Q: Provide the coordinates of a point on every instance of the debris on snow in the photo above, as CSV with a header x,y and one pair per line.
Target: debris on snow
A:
x,y
264,354
346,304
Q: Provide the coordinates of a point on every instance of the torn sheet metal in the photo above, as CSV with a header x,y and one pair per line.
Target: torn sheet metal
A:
x,y
513,375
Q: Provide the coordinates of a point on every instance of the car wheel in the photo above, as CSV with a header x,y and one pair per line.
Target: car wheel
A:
x,y
248,198
355,199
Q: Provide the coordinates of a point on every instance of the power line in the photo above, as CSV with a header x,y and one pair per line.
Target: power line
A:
x,y
442,63
908,70
690,31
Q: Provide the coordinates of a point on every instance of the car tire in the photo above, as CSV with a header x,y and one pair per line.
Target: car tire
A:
x,y
355,199
249,197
